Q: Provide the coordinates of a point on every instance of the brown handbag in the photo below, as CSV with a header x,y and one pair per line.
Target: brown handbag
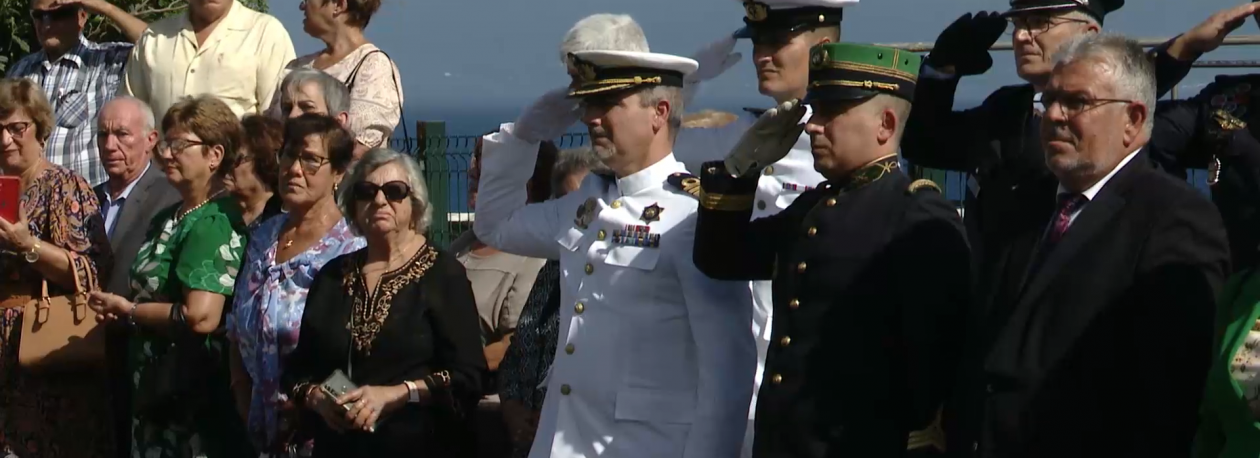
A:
x,y
61,333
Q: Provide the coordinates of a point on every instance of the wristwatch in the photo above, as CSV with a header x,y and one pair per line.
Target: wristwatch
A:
x,y
33,255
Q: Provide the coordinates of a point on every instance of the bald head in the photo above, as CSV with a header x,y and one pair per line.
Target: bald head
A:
x,y
125,136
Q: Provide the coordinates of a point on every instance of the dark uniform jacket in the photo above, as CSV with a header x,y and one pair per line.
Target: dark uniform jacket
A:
x,y
1217,130
1101,351
870,280
998,142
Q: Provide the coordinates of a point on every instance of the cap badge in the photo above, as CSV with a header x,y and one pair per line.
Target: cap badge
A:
x,y
756,11
651,213
585,70
818,58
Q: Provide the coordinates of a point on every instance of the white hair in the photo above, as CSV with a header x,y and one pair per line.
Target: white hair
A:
x,y
1130,69
656,94
146,111
421,211
603,32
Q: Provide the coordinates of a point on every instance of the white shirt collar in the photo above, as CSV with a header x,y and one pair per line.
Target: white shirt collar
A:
x,y
652,176
127,191
1093,190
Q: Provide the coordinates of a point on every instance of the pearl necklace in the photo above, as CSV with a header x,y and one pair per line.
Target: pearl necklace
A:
x,y
180,216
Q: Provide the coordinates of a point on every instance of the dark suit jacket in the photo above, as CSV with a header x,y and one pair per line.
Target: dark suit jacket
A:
x,y
998,142
151,194
870,284
1103,350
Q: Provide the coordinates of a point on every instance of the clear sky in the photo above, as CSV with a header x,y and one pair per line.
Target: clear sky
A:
x,y
480,57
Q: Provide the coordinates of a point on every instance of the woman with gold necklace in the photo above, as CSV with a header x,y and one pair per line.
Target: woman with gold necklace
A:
x,y
283,257
181,285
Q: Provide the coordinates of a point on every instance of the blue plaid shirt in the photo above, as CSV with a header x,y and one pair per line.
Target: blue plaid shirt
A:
x,y
77,85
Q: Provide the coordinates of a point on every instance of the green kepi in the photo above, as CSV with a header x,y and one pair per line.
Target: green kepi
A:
x,y
850,71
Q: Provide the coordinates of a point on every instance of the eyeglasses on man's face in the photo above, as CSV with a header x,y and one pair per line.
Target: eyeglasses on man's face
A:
x,y
1072,105
1038,24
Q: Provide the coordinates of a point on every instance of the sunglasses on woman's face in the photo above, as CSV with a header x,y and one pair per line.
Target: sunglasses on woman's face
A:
x,y
395,191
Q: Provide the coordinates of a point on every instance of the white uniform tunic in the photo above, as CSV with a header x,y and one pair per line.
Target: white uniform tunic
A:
x,y
779,186
653,358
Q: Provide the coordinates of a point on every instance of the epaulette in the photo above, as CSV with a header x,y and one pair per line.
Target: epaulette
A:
x,y
923,183
685,182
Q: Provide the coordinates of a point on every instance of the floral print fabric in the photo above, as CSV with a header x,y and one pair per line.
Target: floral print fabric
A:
x,y
39,412
267,312
201,251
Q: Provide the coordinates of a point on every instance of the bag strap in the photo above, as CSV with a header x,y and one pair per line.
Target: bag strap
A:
x,y
402,118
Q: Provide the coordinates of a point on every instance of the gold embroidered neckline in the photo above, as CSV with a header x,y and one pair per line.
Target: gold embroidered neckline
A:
x,y
371,308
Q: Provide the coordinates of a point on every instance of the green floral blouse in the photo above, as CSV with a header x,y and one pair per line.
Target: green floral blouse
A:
x,y
202,251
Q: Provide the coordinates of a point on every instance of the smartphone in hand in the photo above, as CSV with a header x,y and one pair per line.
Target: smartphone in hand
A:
x,y
10,198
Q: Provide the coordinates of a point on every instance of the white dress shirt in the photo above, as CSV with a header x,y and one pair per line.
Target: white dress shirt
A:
x,y
113,206
1093,190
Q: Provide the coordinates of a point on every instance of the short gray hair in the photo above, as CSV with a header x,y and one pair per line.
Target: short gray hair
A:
x,y
656,94
146,111
603,32
571,160
1131,70
421,210
336,94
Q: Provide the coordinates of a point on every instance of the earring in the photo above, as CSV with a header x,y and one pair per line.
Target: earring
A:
x,y
334,188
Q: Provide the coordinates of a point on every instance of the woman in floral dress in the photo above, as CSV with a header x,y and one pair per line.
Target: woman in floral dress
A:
x,y
62,229
284,255
182,283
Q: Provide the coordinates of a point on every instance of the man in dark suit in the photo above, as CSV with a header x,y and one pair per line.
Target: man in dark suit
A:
x,y
869,270
997,142
1098,289
134,192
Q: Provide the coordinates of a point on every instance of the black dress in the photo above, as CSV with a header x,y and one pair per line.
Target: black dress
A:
x,y
421,319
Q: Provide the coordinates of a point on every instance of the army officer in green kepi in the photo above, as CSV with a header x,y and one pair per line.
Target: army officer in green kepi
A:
x,y
869,270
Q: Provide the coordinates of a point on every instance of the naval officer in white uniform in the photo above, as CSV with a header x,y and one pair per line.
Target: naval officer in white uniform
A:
x,y
782,33
654,358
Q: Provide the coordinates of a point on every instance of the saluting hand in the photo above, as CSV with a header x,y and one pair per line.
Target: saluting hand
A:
x,y
768,140
1208,35
963,47
548,117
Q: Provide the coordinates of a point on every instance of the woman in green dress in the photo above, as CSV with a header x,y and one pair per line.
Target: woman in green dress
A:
x,y
181,284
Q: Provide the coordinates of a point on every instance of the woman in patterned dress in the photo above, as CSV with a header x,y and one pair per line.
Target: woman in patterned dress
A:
x,y
182,283
284,255
398,319
61,228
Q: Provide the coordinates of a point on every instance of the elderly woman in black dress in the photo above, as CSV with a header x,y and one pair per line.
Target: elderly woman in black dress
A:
x,y
397,318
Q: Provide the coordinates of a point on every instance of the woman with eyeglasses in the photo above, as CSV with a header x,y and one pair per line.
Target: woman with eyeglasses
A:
x,y
283,257
181,285
58,234
397,320
255,172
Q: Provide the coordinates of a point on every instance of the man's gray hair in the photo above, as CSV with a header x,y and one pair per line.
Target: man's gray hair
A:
x,y
572,160
1131,70
655,94
603,32
336,94
146,111
421,210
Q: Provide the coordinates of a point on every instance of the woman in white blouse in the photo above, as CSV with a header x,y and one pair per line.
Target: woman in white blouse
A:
x,y
376,94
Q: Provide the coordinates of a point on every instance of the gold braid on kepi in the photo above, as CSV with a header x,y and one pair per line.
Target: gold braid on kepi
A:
x,y
603,72
841,72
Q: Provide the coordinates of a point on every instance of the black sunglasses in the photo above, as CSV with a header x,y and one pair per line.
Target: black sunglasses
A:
x,y
56,14
395,191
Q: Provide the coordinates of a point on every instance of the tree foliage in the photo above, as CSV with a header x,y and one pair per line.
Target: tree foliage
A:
x,y
20,40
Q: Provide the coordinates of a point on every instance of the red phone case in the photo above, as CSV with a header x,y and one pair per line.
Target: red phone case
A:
x,y
10,197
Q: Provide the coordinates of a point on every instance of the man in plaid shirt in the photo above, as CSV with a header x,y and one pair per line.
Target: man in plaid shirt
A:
x,y
77,75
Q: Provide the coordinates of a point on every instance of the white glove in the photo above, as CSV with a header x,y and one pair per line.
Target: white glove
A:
x,y
714,59
548,117
768,140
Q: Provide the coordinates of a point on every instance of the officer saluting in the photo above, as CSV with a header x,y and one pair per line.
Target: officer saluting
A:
x,y
782,32
998,142
654,358
870,269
